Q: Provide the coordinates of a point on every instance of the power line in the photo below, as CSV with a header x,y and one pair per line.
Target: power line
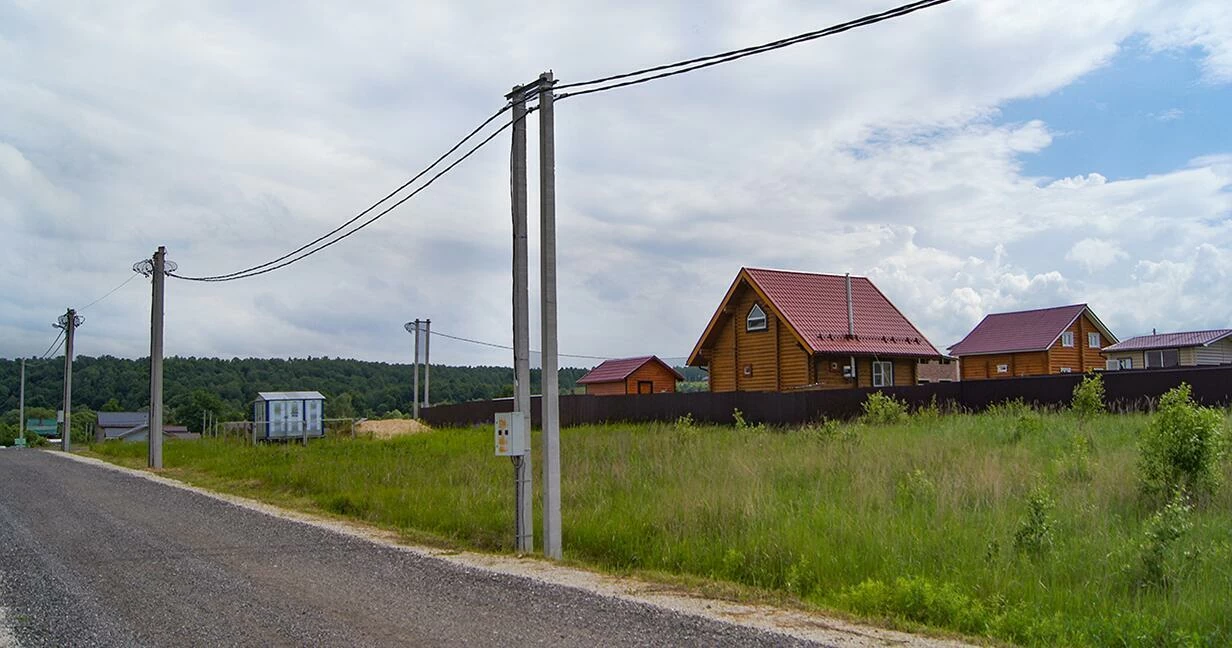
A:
x,y
681,67
55,345
109,293
563,355
282,261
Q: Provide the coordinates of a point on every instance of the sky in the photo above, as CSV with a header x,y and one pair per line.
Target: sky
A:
x,y
980,156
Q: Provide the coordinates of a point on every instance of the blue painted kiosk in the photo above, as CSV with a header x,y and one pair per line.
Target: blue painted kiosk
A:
x,y
288,415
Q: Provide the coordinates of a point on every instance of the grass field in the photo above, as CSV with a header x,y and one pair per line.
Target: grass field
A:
x,y
1021,526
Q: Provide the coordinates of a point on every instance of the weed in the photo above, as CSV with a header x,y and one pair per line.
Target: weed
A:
x,y
1027,424
883,409
1157,552
1035,531
1182,446
1088,399
1075,463
930,412
1014,408
742,424
916,488
823,431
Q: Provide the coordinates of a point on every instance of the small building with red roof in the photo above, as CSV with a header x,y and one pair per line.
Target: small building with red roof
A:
x,y
1163,350
641,375
778,330
1064,339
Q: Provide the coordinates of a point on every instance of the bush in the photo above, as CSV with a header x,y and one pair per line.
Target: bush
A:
x,y
1075,463
881,409
1089,396
1035,532
1182,446
742,424
1157,555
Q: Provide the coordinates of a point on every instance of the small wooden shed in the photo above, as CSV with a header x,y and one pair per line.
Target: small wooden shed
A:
x,y
288,415
641,375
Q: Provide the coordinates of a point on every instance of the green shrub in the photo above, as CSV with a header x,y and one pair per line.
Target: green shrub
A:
x,y
742,424
1035,532
1182,446
930,412
1075,463
1088,398
918,599
916,488
1157,552
1027,424
882,409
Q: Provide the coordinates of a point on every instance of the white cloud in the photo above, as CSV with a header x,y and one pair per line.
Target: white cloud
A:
x,y
235,135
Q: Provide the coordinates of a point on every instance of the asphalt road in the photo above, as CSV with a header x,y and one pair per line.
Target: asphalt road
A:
x,y
95,557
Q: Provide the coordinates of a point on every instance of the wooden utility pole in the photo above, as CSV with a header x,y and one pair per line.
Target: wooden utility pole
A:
x,y
415,379
69,322
524,511
550,402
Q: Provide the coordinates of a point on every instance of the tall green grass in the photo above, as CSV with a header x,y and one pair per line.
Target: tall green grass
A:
x,y
1017,525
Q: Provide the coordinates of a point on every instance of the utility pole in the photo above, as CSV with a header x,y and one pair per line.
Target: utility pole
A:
x,y
21,404
69,322
157,269
427,363
547,295
524,512
413,327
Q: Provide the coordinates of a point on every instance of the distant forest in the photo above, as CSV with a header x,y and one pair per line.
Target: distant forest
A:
x,y
353,387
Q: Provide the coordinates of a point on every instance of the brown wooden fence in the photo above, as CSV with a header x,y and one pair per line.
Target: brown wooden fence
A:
x,y
1124,390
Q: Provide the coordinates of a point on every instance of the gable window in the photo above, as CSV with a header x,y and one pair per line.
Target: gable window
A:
x,y
883,374
1093,340
1067,339
756,321
1126,363
1162,358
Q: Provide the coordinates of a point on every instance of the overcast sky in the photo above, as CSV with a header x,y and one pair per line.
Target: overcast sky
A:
x,y
982,156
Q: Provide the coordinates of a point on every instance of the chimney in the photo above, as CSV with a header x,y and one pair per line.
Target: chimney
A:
x,y
851,320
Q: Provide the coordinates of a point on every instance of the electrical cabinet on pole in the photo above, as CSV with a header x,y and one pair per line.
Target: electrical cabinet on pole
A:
x,y
547,295
524,512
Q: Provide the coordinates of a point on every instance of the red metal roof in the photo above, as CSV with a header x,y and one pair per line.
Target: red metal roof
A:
x,y
1031,330
619,369
815,305
1170,340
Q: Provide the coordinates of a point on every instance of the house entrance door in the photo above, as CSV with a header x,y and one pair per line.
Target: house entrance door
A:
x,y
295,419
645,387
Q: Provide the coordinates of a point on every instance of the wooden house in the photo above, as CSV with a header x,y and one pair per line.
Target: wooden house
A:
x,y
1185,349
1065,339
641,375
777,330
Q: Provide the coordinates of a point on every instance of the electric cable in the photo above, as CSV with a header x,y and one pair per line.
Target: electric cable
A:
x,y
681,67
55,344
265,267
109,293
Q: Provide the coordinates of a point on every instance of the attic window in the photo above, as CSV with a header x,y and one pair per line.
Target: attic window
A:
x,y
756,320
1067,339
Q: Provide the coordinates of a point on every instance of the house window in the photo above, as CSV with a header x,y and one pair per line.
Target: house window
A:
x,y
1125,363
1003,368
1162,358
883,374
1093,340
756,321
1067,339
1066,370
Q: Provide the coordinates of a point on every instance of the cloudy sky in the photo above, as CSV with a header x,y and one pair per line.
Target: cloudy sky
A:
x,y
982,156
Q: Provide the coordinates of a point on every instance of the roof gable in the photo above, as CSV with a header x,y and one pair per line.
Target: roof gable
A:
x,y
1024,331
814,306
1170,340
620,369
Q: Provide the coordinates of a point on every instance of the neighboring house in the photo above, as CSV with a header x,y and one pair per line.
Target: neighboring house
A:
x,y
135,426
777,330
118,425
642,375
293,415
1185,349
1065,339
937,371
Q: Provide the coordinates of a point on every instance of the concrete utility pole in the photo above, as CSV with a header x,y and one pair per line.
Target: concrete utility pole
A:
x,y
524,512
413,328
21,403
157,269
547,296
427,363
69,322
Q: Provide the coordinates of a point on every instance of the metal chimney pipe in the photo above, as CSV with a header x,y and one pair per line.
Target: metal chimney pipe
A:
x,y
851,320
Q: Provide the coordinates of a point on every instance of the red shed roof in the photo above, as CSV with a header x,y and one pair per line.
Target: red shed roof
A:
x,y
1030,330
619,369
815,307
1170,340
